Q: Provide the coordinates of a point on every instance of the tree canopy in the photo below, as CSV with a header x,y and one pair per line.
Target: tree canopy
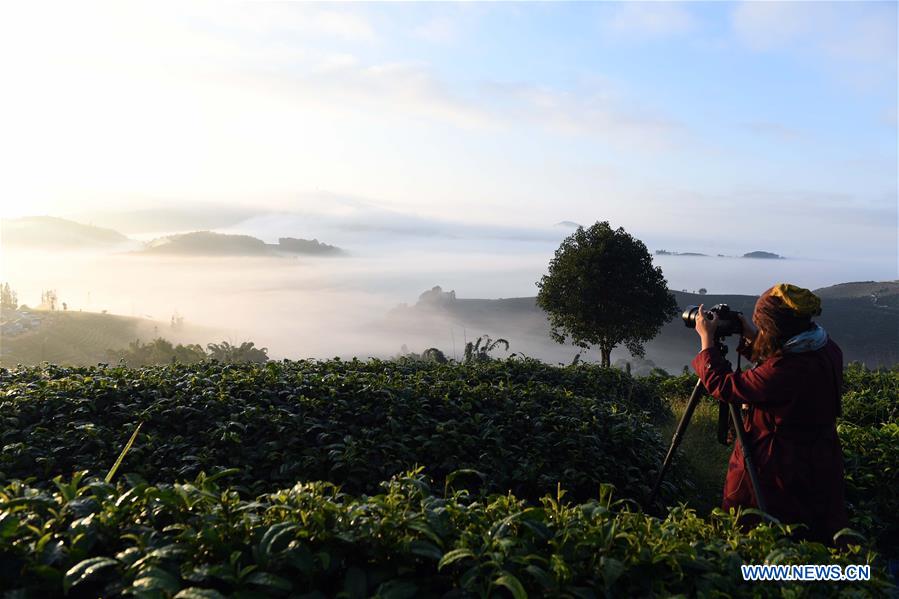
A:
x,y
9,299
602,290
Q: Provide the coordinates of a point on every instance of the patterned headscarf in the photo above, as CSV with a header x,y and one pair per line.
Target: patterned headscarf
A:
x,y
801,301
785,310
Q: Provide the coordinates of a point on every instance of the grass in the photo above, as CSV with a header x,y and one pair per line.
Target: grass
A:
x,y
700,450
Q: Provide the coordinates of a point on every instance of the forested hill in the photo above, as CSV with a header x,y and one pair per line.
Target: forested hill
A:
x,y
56,233
863,318
209,243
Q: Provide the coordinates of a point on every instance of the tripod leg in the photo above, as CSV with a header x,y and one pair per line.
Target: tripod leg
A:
x,y
747,457
698,391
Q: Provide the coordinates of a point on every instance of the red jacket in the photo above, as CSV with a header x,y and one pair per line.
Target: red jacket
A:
x,y
794,401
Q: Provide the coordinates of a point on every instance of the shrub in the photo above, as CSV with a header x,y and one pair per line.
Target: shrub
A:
x,y
872,478
87,538
870,397
352,423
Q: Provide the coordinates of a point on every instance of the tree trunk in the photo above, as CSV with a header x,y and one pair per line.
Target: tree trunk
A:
x,y
606,354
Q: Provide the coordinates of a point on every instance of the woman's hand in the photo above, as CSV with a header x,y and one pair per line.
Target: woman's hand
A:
x,y
706,327
750,331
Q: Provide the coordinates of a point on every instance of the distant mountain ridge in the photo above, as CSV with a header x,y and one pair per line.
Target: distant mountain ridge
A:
x,y
52,232
865,326
48,232
763,255
756,254
208,243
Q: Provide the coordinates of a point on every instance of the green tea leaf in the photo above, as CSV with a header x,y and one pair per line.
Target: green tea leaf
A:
x,y
453,556
198,593
156,579
513,584
85,570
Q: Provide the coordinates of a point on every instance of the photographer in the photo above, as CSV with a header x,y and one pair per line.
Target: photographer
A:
x,y
793,399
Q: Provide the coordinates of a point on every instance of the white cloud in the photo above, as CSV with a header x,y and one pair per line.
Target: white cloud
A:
x,y
863,31
591,110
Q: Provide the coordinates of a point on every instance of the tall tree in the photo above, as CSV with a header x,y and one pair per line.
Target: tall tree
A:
x,y
602,290
48,299
9,299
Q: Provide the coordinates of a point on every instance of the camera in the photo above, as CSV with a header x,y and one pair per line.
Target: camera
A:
x,y
728,320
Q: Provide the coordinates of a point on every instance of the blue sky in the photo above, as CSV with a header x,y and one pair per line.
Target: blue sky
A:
x,y
686,123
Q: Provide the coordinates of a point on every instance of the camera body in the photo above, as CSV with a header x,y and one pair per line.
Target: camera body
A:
x,y
728,320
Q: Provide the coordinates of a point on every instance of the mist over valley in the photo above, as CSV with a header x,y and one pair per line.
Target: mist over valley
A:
x,y
361,298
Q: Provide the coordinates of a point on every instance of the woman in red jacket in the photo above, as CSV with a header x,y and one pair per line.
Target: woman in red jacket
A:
x,y
793,399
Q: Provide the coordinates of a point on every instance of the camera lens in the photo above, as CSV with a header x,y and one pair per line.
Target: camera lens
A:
x,y
689,316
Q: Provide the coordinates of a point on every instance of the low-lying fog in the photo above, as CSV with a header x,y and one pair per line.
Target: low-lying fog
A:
x,y
324,307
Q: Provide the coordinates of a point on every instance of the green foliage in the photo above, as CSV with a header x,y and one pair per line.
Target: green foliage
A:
x,y
88,539
246,352
158,351
480,430
522,425
432,354
479,351
603,290
870,397
674,388
872,478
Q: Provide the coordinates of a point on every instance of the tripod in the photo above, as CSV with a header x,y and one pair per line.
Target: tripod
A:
x,y
698,392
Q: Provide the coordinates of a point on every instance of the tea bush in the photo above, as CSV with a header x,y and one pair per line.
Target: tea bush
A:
x,y
522,427
872,480
480,430
87,538
870,397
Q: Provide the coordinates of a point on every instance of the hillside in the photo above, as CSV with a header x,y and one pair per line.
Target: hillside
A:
x,y
68,337
81,338
885,292
207,243
47,232
867,330
51,233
